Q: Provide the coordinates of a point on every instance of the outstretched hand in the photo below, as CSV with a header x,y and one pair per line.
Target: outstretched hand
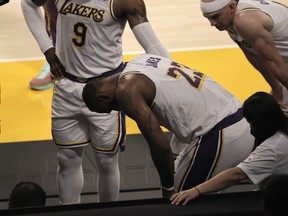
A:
x,y
184,196
57,69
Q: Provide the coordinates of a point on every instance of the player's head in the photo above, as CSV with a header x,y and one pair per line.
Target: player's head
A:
x,y
220,13
276,195
27,194
264,115
2,2
99,94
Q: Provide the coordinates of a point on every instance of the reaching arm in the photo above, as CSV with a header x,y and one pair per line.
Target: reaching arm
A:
x,y
132,95
258,64
255,28
221,181
135,12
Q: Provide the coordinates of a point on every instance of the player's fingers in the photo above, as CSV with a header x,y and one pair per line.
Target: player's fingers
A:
x,y
56,74
186,201
178,199
174,196
57,70
181,198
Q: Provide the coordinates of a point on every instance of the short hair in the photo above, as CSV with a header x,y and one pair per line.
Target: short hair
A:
x,y
91,89
27,194
276,195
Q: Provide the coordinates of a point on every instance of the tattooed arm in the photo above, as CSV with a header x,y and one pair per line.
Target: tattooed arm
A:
x,y
134,94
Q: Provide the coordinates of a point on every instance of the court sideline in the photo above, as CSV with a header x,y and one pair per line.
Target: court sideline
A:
x,y
25,114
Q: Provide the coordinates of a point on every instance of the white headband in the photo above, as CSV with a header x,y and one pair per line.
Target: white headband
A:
x,y
207,7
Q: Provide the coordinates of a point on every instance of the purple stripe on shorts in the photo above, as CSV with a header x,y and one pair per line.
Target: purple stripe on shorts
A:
x,y
207,152
122,133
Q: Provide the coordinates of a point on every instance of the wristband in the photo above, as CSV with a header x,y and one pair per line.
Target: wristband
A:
x,y
168,189
199,192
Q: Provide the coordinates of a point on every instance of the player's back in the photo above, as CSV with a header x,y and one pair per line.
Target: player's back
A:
x,y
187,102
88,37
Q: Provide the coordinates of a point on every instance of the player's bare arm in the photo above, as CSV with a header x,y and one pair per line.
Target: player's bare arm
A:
x,y
134,94
255,28
258,64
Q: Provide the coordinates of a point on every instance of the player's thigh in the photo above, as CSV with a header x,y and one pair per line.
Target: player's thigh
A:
x,y
183,162
107,131
237,145
176,145
69,132
69,123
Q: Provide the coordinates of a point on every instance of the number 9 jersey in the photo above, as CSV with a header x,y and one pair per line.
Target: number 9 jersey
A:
x,y
89,32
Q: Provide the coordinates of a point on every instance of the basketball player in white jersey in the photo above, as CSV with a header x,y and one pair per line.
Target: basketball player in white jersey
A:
x,y
155,91
88,45
260,28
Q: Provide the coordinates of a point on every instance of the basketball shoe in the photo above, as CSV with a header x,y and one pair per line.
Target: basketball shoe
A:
x,y
43,80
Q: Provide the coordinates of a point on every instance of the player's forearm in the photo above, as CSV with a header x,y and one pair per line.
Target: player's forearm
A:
x,y
223,180
162,156
280,71
36,23
259,65
149,41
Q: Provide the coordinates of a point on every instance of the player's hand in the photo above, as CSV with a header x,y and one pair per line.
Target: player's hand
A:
x,y
184,196
57,69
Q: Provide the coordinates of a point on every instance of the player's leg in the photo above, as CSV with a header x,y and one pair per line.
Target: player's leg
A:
x,y
196,162
108,135
70,175
109,176
176,146
220,149
238,144
70,132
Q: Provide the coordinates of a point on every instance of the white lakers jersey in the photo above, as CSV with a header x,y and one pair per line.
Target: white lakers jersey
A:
x,y
88,39
279,14
187,102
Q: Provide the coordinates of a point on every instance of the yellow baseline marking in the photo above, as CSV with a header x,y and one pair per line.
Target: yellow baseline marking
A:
x,y
25,114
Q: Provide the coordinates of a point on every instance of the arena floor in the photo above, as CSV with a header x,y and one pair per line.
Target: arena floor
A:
x,y
25,114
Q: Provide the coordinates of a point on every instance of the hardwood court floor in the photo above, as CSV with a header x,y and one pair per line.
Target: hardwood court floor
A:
x,y
25,114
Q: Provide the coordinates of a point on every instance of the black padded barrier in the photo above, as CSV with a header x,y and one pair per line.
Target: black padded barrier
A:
x,y
232,204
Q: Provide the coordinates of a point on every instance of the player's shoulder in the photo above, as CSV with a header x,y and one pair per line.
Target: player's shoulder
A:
x,y
126,6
